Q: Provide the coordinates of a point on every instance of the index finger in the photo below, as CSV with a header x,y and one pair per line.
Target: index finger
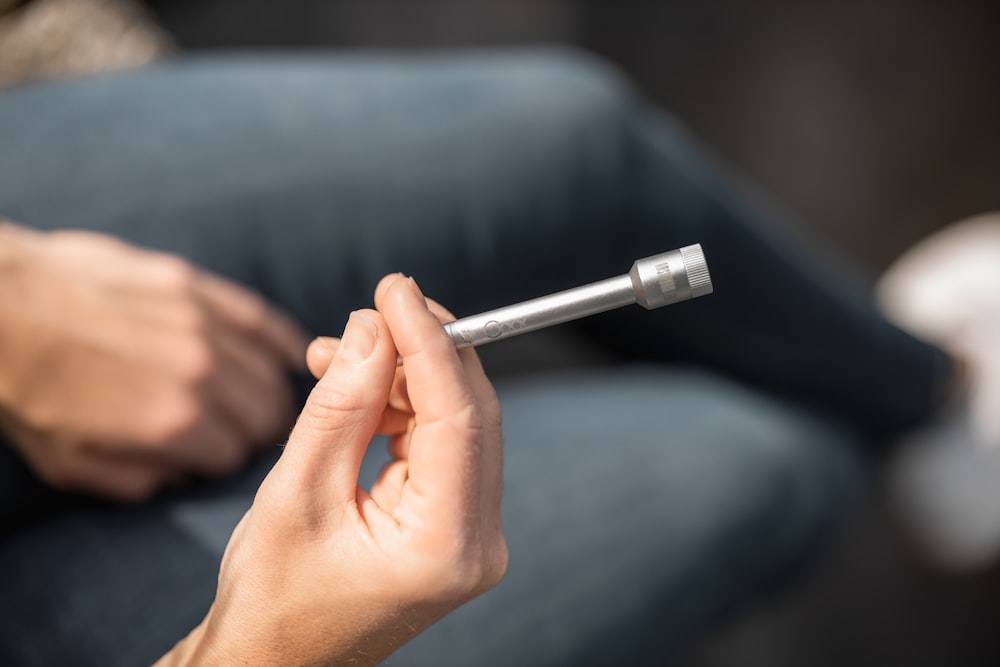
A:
x,y
435,376
446,446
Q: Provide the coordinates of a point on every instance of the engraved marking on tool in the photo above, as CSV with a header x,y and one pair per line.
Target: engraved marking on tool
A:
x,y
665,277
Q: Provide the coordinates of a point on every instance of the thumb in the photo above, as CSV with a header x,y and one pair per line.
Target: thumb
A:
x,y
319,354
343,410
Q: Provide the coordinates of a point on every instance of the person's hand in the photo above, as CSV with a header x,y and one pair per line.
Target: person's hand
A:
x,y
123,370
321,572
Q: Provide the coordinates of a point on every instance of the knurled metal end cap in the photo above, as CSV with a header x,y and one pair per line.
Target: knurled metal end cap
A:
x,y
670,277
696,268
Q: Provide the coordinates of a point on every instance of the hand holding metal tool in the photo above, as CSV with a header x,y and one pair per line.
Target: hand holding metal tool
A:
x,y
655,281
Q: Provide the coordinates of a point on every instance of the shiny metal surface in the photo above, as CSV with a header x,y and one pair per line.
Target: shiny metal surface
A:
x,y
652,282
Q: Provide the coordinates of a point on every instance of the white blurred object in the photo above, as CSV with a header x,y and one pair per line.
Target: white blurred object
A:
x,y
947,290
944,487
945,481
51,39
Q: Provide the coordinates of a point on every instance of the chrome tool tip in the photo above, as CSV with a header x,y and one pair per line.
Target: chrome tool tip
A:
x,y
670,277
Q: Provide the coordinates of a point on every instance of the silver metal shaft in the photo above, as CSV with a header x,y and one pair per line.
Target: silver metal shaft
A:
x,y
652,282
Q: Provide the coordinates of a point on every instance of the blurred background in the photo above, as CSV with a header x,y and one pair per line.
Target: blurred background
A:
x,y
872,122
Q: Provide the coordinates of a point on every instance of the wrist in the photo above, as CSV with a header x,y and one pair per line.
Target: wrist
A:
x,y
230,636
211,644
197,648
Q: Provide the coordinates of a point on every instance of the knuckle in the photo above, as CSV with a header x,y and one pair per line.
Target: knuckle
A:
x,y
491,414
254,313
331,403
175,418
191,319
195,362
498,563
467,569
473,424
469,417
174,273
463,580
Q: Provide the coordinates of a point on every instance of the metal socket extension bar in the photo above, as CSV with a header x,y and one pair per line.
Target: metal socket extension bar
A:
x,y
652,282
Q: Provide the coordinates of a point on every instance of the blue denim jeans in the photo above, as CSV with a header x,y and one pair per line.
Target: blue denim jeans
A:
x,y
643,499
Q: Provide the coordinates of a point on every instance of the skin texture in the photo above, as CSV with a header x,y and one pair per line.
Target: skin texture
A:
x,y
123,370
320,571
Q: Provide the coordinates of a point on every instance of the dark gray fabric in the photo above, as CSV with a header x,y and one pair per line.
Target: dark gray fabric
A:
x,y
639,505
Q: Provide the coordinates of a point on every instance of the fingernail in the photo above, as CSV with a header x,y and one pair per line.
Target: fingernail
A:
x,y
359,338
326,342
413,286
